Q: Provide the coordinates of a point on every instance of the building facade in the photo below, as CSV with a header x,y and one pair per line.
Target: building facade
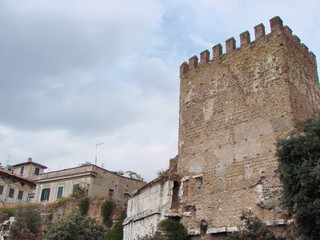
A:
x,y
90,179
15,189
29,169
233,108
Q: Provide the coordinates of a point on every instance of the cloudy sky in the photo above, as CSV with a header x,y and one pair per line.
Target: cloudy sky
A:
x,y
75,73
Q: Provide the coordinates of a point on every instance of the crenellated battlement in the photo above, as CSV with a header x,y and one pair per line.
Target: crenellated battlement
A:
x,y
276,26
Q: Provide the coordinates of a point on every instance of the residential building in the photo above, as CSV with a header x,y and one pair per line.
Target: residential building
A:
x,y
29,169
14,188
92,180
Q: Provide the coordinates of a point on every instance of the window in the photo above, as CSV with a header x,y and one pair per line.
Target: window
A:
x,y
110,194
59,192
75,187
36,171
45,194
20,195
11,192
30,197
1,189
21,170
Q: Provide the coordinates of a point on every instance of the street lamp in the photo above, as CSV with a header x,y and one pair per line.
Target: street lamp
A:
x,y
98,144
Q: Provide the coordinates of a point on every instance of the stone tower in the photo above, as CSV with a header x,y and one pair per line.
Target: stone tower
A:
x,y
233,107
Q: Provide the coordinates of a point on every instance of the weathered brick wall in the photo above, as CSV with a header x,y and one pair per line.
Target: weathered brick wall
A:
x,y
232,110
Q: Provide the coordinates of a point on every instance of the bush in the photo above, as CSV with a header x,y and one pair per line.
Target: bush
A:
x,y
116,233
253,229
107,208
78,192
299,165
173,230
6,213
75,227
27,222
83,206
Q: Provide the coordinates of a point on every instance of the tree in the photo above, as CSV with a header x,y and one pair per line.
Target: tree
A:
x,y
27,223
299,165
161,172
253,229
173,230
116,233
134,175
75,227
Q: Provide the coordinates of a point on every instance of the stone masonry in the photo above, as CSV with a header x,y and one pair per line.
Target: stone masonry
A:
x,y
232,110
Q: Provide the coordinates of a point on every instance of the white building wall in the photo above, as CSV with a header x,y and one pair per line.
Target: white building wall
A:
x,y
147,208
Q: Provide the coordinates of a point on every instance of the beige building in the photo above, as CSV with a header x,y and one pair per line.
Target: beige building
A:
x,y
233,108
90,179
14,188
29,169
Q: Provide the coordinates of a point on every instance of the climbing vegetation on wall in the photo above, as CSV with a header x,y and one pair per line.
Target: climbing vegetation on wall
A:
x,y
107,208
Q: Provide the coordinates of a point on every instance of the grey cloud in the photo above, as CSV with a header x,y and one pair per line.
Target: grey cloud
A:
x,y
45,50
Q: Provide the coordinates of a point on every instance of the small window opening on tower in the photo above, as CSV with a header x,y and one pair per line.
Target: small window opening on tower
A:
x,y
175,194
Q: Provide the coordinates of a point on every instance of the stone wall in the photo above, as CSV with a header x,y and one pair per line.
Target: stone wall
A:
x,y
232,110
55,211
147,208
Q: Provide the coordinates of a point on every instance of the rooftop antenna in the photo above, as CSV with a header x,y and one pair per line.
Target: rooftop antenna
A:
x,y
8,160
96,159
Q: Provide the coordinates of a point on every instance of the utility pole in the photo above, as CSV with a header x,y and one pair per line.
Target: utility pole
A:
x,y
96,159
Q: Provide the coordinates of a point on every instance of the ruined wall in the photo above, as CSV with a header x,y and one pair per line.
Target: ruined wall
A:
x,y
232,110
149,205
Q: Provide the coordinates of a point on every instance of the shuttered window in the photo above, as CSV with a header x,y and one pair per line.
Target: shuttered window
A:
x,y
59,192
45,194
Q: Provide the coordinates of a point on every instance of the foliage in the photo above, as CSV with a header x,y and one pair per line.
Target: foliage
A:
x,y
134,175
83,206
161,172
75,227
27,222
173,230
6,213
120,172
116,233
253,229
107,208
78,192
299,165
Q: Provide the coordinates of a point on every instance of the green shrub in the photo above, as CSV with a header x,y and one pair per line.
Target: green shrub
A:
x,y
107,208
6,213
75,227
253,229
83,206
28,218
173,230
78,192
116,233
299,165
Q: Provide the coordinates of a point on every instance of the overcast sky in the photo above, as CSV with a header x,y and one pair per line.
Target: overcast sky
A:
x,y
75,73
